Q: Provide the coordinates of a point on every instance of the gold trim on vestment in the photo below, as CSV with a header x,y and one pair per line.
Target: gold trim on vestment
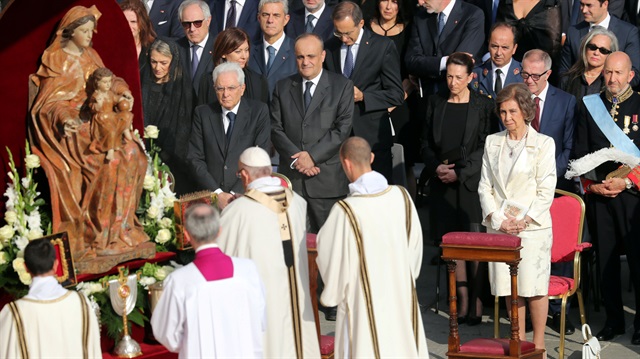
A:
x,y
20,328
364,275
625,95
85,325
386,190
48,301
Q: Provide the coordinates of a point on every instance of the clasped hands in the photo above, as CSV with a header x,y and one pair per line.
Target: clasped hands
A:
x,y
608,188
303,163
446,174
513,226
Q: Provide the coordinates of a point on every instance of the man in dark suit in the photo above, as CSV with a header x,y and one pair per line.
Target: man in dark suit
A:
x,y
164,18
440,28
373,64
572,15
501,69
242,15
314,17
196,47
632,12
596,14
221,131
311,115
273,56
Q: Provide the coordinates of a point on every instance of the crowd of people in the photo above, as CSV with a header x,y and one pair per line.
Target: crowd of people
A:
x,y
496,98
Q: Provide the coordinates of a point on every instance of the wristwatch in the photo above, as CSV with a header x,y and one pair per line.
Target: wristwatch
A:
x,y
628,183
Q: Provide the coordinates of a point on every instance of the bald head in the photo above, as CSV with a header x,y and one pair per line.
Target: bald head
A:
x,y
356,157
617,72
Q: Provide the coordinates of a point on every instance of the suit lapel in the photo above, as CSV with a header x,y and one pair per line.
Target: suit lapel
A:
x,y
259,60
321,91
487,81
454,17
296,94
323,23
242,120
363,52
472,118
495,155
218,128
511,76
281,55
548,109
205,58
432,28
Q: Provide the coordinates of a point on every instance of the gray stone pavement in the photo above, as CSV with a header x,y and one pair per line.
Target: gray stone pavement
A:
x,y
437,325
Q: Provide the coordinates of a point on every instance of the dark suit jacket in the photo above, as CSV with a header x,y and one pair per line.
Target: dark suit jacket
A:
x,y
283,66
320,131
324,25
256,88
628,40
247,20
630,14
165,18
464,31
483,77
558,122
214,163
205,66
479,118
377,74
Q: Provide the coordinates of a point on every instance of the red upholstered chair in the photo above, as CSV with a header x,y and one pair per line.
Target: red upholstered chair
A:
x,y
326,341
284,181
485,247
567,216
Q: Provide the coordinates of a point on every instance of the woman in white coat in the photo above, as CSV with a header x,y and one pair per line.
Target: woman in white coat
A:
x,y
517,184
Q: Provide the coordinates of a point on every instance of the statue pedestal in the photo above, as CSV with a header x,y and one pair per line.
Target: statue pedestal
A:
x,y
102,264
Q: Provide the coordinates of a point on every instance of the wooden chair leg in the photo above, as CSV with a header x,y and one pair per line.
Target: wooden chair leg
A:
x,y
496,317
454,337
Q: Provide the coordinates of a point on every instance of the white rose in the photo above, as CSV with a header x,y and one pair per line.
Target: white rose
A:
x,y
34,234
151,132
163,236
32,161
3,258
149,183
10,217
6,232
21,243
168,201
153,212
20,268
166,223
147,281
161,273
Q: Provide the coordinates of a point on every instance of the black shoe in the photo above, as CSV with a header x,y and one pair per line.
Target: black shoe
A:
x,y
609,333
635,339
473,321
330,314
462,319
569,328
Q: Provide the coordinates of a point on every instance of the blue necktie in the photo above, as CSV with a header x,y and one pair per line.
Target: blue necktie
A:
x,y
272,56
348,63
494,11
441,22
307,95
231,15
232,121
308,27
194,59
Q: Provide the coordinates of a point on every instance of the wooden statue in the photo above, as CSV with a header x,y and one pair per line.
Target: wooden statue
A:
x,y
93,198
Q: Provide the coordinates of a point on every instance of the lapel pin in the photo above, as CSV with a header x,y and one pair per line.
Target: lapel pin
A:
x,y
516,71
455,22
485,71
162,11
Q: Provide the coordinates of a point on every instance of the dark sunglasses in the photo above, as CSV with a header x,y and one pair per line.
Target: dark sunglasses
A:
x,y
602,50
197,24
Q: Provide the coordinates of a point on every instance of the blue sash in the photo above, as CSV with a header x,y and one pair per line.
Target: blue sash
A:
x,y
602,118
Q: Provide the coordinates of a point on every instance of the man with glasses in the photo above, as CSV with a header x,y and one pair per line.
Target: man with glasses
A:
x,y
268,225
196,46
372,62
273,56
596,13
221,131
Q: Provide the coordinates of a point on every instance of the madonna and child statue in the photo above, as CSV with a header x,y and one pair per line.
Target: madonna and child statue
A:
x,y
81,129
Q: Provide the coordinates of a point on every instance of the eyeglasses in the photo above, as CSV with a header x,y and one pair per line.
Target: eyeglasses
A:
x,y
534,77
187,24
340,35
230,89
594,47
239,173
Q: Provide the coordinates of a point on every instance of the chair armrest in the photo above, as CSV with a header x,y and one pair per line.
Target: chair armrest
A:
x,y
583,246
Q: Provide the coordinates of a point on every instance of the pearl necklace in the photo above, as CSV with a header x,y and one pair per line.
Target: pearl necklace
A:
x,y
511,149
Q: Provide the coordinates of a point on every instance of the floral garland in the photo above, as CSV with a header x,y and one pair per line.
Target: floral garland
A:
x,y
24,221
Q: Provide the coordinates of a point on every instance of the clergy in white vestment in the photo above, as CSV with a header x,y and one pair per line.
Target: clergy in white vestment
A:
x,y
214,307
369,256
50,321
268,225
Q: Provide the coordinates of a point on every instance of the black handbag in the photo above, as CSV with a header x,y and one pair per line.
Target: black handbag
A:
x,y
456,156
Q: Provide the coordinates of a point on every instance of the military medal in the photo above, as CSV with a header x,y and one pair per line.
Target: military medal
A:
x,y
614,108
634,121
627,122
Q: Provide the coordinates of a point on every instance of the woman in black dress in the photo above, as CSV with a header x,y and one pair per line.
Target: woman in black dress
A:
x,y
233,45
167,103
452,145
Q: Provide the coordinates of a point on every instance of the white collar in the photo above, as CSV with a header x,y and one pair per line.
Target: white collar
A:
x,y
369,183
315,80
202,43
276,45
266,184
543,93
504,69
45,288
207,246
234,109
447,10
239,2
604,23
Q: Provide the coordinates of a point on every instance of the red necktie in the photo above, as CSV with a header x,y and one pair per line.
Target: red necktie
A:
x,y
536,120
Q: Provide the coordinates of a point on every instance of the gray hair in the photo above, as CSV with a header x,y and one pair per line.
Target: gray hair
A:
x,y
162,48
202,222
285,4
203,6
347,9
258,172
228,67
537,55
597,30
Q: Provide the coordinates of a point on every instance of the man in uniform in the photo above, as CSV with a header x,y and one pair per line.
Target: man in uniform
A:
x,y
369,255
214,306
613,204
49,321
268,225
